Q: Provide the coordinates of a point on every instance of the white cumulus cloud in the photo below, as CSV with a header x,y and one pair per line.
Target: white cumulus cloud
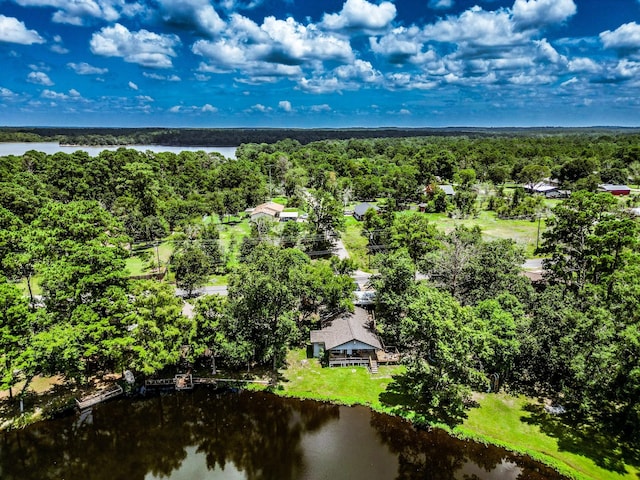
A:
x,y
6,93
344,77
196,13
320,108
476,27
84,68
274,49
59,96
142,47
285,105
360,70
583,64
166,78
13,30
258,107
625,37
360,14
401,45
39,78
538,13
206,108
133,86
75,12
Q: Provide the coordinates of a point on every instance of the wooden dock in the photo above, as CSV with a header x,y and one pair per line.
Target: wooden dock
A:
x,y
160,382
99,397
187,382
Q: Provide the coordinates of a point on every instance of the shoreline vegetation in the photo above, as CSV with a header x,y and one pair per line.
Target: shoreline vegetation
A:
x,y
229,137
515,423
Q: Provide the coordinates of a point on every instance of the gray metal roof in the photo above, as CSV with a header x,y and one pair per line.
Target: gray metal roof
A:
x,y
608,187
448,189
362,208
346,328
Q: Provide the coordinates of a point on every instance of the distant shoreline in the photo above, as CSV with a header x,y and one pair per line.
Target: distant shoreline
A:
x,y
231,137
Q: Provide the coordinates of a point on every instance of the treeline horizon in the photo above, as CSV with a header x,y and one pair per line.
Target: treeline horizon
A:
x,y
226,137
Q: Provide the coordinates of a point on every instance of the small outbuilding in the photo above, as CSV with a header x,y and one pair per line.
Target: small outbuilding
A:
x,y
347,340
615,189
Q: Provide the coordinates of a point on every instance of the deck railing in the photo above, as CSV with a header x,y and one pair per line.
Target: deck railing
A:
x,y
348,361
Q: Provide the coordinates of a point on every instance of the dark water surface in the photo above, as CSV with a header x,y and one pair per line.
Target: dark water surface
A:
x,y
206,434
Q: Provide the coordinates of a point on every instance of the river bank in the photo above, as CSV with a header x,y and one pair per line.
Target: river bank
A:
x,y
517,424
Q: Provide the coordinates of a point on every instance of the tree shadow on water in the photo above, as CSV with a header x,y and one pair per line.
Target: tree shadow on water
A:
x,y
604,447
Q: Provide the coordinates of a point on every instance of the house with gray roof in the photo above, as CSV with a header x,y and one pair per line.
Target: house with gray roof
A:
x,y
347,340
448,190
360,209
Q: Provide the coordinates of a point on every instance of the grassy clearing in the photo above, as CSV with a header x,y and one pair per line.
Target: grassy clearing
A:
x,y
523,232
35,286
144,261
520,423
280,200
516,423
231,236
355,243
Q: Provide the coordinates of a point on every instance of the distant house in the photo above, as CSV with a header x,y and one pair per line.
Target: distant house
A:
x,y
270,210
361,209
614,189
448,190
539,187
546,189
348,340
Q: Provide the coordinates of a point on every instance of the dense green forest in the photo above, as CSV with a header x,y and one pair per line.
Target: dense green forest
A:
x,y
235,136
474,323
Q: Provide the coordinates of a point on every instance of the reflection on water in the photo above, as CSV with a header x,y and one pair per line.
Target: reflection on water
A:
x,y
204,434
20,148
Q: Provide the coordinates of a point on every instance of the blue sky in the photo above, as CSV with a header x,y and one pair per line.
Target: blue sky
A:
x,y
291,63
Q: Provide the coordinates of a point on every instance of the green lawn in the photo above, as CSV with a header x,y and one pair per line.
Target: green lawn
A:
x,y
305,378
516,423
36,289
139,264
355,243
522,424
231,236
523,232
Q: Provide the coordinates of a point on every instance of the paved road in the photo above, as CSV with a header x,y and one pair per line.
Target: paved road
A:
x,y
208,290
339,250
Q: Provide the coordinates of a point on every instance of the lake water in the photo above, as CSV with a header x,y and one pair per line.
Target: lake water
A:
x,y
207,434
19,148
